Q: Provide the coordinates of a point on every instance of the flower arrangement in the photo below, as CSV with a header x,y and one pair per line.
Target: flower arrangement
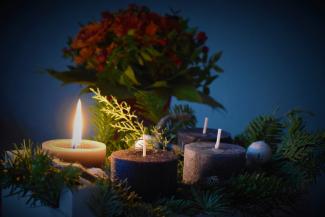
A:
x,y
143,58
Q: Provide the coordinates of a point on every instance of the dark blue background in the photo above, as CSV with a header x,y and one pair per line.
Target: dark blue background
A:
x,y
273,56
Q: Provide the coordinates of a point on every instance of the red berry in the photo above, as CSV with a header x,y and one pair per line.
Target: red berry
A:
x,y
201,37
205,49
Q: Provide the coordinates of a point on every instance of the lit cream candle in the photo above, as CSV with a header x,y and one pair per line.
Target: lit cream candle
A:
x,y
86,152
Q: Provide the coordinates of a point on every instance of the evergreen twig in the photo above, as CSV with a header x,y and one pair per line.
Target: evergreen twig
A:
x,y
29,173
125,121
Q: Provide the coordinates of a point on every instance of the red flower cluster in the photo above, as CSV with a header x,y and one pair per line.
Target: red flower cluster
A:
x,y
97,41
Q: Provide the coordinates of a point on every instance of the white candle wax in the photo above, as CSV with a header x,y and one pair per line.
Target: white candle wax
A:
x,y
218,139
89,153
205,127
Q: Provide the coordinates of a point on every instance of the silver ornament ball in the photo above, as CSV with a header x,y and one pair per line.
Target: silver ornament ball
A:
x,y
258,153
140,142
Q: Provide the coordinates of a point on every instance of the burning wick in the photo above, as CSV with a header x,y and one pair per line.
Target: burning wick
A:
x,y
218,139
205,125
144,147
77,127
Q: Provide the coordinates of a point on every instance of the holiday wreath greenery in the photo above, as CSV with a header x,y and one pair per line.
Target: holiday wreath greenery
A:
x,y
29,172
259,190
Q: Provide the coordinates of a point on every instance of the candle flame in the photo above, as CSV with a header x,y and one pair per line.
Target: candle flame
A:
x,y
77,126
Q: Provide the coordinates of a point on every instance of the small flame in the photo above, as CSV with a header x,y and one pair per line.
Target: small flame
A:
x,y
77,126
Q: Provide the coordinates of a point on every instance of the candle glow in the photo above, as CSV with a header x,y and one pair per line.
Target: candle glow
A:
x,y
92,153
77,127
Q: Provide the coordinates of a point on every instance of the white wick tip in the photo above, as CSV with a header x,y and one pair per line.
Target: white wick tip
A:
x,y
218,139
144,147
205,127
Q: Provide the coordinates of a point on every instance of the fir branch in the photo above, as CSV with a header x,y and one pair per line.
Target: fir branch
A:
x,y
183,116
267,128
176,207
210,202
114,199
142,209
109,200
29,172
302,150
258,194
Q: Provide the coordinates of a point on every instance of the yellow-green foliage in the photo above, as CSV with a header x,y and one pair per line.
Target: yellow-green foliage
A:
x,y
124,120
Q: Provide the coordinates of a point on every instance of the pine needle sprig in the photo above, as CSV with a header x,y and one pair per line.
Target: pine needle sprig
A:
x,y
259,194
176,207
266,128
28,172
115,199
211,203
302,150
179,117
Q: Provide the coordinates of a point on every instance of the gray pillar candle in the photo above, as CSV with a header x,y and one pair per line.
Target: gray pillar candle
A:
x,y
190,135
151,177
202,159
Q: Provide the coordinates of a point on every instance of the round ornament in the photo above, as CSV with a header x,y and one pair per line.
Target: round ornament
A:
x,y
258,153
150,139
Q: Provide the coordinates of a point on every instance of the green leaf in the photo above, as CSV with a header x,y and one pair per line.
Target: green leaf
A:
x,y
74,74
146,56
153,51
151,105
159,84
190,93
109,87
217,68
140,61
215,57
187,92
130,74
208,100
210,79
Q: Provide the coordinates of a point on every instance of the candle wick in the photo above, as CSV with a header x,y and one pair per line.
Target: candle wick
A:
x,y
144,148
218,139
205,125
